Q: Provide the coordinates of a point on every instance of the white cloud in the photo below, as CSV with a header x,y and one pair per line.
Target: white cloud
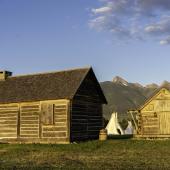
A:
x,y
165,42
102,10
133,19
160,27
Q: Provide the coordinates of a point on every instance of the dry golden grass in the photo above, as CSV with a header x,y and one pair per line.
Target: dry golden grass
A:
x,y
112,154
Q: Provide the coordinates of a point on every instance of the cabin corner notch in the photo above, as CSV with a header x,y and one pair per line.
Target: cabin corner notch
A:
x,y
5,74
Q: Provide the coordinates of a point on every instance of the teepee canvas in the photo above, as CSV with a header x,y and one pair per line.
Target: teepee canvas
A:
x,y
113,127
129,129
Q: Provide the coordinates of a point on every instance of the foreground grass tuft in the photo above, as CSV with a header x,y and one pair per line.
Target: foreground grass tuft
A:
x,y
111,154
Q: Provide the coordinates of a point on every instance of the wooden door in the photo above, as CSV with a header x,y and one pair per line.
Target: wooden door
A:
x,y
164,122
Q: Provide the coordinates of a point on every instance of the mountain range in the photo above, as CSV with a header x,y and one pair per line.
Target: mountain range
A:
x,y
123,95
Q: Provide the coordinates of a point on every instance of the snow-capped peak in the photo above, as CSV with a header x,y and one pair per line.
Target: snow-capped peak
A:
x,y
120,80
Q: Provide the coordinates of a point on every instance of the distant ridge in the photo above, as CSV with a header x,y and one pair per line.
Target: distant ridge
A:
x,y
153,85
123,95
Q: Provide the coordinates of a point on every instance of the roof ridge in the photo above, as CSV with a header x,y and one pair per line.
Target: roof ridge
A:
x,y
82,80
50,72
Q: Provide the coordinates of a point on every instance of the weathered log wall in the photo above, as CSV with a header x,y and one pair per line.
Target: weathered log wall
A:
x,y
154,117
27,122
59,128
86,117
8,121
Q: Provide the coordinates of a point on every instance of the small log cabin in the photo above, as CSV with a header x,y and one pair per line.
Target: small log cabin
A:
x,y
153,118
56,107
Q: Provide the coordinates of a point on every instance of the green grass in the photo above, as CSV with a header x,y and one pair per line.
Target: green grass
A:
x,y
111,154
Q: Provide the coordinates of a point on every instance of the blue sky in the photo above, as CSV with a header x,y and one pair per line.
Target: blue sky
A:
x,y
48,35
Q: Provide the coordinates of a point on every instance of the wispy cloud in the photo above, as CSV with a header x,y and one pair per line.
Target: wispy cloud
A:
x,y
133,19
165,41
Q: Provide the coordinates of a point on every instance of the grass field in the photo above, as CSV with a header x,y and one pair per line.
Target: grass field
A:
x,y
111,154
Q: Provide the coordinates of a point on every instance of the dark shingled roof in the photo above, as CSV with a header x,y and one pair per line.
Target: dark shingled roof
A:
x,y
45,86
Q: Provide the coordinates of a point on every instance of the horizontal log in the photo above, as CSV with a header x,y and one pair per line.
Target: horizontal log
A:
x,y
5,130
79,116
149,123
60,110
79,124
29,118
8,111
29,140
28,125
80,120
60,106
148,117
54,129
95,116
7,118
29,136
59,113
30,106
94,119
60,116
80,129
29,122
60,120
56,134
30,110
150,130
9,106
30,114
87,109
8,122
60,124
29,132
79,136
10,135
99,123
7,126
29,128
94,127
8,115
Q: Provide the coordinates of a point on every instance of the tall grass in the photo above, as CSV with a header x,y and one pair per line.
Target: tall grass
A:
x,y
111,154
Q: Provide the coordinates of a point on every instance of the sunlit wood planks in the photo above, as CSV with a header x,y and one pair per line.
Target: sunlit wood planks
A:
x,y
29,120
8,121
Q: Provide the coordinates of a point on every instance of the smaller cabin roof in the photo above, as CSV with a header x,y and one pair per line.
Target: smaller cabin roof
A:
x,y
164,86
45,86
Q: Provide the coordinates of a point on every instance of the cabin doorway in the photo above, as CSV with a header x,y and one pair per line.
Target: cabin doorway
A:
x,y
164,123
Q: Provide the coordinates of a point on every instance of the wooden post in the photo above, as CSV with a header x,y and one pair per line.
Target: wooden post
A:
x,y
18,122
134,120
69,105
40,120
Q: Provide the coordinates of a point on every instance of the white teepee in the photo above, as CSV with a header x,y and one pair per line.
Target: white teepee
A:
x,y
129,129
113,127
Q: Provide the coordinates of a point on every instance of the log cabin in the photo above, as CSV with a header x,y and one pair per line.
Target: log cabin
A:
x,y
56,107
153,117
